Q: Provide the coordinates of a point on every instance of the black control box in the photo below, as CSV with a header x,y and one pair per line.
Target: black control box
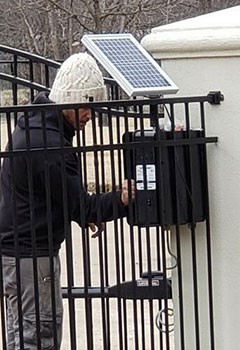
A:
x,y
169,179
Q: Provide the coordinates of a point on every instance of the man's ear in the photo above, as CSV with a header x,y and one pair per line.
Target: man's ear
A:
x,y
69,114
85,111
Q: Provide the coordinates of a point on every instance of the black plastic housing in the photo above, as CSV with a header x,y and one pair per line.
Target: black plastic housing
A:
x,y
169,178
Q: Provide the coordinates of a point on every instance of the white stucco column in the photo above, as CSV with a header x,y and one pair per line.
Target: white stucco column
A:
x,y
202,54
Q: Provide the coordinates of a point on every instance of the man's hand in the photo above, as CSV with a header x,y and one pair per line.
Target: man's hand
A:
x,y
100,228
128,192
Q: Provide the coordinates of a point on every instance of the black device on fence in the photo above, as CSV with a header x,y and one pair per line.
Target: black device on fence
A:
x,y
169,177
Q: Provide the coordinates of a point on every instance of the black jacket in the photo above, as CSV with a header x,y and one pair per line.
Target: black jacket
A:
x,y
41,189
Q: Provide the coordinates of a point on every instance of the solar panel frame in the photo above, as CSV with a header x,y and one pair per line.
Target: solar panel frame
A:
x,y
91,42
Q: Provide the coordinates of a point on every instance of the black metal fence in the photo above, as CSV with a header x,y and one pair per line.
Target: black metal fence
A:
x,y
125,288
22,74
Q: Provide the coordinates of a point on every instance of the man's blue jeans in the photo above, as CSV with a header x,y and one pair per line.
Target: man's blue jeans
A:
x,y
47,326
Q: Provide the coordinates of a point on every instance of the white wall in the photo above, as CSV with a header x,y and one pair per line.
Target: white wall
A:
x,y
197,76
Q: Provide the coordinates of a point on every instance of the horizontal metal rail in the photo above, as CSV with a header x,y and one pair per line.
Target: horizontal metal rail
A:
x,y
112,147
210,98
30,56
23,82
27,83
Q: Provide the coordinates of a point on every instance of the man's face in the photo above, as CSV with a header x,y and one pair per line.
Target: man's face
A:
x,y
78,119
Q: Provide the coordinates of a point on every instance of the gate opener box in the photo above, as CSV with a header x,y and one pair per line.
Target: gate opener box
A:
x,y
170,185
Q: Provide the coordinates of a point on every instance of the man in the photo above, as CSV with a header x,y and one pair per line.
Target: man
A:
x,y
41,194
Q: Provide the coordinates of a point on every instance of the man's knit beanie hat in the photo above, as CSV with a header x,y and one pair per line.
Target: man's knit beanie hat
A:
x,y
78,80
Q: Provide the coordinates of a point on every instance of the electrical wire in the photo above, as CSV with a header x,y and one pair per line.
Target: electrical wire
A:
x,y
161,324
171,253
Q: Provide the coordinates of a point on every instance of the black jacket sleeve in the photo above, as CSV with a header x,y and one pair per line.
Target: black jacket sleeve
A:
x,y
66,191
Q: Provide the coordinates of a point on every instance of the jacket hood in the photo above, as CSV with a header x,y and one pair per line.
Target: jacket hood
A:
x,y
35,120
42,98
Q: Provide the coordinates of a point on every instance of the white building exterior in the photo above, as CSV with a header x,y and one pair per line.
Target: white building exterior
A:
x,y
202,54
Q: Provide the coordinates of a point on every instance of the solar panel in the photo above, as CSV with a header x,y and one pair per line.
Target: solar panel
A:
x,y
129,64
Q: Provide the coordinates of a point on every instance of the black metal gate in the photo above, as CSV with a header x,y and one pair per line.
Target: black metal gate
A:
x,y
124,289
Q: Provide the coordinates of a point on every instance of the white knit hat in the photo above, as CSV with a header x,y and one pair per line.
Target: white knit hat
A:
x,y
79,79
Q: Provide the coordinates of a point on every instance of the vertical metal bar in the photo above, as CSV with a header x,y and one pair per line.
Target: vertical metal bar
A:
x,y
82,168
102,253
140,243
165,300
125,319
98,190
101,153
122,238
150,301
178,240
1,131
70,281
117,257
154,115
142,312
84,184
82,141
49,226
47,84
32,225
116,92
195,289
111,92
159,246
2,304
67,229
194,259
14,85
15,229
143,126
135,314
31,77
101,267
154,110
139,123
105,301
208,236
132,243
180,287
159,268
108,328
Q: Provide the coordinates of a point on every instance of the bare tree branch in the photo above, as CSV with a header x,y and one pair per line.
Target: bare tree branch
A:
x,y
50,27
